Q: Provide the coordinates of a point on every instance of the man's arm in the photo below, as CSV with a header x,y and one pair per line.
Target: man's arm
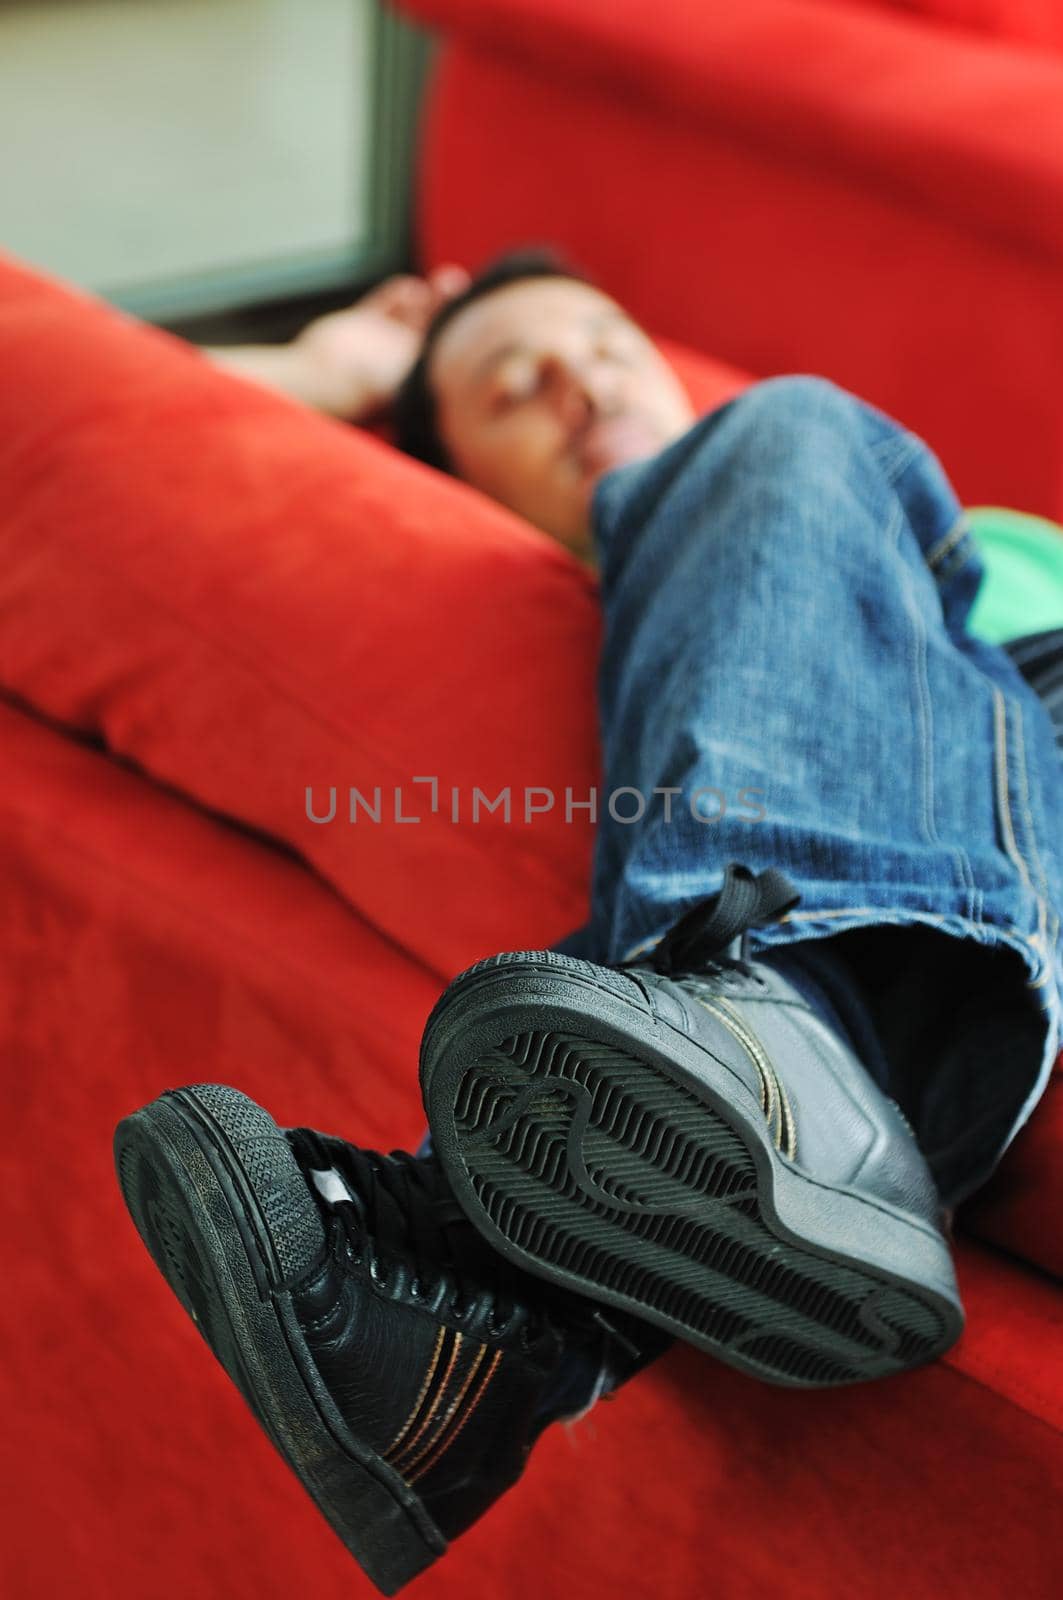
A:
x,y
350,364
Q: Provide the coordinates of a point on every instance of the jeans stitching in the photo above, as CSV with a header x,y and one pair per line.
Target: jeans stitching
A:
x,y
1024,799
1007,828
895,453
1050,915
1000,759
925,729
920,707
937,552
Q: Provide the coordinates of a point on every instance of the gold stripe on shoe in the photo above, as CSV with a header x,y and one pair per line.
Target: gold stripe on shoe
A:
x,y
774,1101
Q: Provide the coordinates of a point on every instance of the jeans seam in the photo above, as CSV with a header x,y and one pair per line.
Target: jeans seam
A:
x,y
937,552
925,724
894,454
1050,914
1007,827
1024,798
1004,817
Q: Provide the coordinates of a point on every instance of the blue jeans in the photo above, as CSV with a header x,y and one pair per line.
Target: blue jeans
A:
x,y
786,680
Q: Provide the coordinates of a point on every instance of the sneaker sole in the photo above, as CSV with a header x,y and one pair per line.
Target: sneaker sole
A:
x,y
610,1154
220,1202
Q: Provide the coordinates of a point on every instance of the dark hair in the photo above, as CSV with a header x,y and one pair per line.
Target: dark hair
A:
x,y
416,426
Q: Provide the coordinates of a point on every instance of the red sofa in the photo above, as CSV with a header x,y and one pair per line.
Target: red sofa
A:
x,y
793,185
209,601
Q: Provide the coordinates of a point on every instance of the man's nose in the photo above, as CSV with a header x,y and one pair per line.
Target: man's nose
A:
x,y
584,389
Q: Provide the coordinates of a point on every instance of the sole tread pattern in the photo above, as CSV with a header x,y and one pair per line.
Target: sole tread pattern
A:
x,y
600,1165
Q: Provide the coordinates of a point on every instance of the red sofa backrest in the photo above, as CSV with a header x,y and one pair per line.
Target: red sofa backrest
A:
x,y
831,187
1034,22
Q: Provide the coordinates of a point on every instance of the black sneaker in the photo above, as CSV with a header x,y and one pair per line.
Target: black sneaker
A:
x,y
682,1137
399,1366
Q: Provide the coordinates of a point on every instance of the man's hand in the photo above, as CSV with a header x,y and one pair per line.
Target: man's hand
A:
x,y
350,364
362,355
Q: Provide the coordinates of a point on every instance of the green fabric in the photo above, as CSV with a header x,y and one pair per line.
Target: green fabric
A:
x,y
1022,591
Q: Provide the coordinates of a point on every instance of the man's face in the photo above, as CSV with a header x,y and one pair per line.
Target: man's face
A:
x,y
540,388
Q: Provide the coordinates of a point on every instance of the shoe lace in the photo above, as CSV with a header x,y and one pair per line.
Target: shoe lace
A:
x,y
702,938
401,1209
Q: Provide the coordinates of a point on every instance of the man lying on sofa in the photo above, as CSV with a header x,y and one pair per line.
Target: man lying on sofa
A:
x,y
738,1106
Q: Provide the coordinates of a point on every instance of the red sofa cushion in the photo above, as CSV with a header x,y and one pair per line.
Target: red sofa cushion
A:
x,y
245,600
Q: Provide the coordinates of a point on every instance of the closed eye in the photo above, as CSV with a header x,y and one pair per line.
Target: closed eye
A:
x,y
621,345
512,388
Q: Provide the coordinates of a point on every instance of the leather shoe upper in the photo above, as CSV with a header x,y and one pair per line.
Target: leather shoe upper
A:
x,y
824,1110
442,1358
841,1128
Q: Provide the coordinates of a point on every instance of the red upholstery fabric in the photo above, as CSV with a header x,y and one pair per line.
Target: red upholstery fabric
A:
x,y
770,77
146,943
834,189
221,585
224,586
1034,22
1019,1207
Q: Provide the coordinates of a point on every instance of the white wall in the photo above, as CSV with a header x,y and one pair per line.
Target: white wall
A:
x,y
166,152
